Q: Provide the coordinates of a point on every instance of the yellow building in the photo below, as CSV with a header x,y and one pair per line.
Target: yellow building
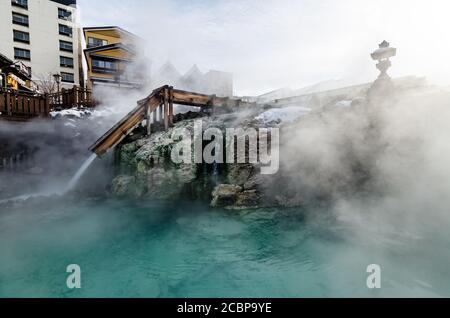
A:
x,y
110,52
15,75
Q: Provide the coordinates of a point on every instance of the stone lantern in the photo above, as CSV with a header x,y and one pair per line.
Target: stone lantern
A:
x,y
382,55
383,86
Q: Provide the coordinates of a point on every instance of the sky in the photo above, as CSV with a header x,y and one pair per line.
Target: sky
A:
x,y
269,44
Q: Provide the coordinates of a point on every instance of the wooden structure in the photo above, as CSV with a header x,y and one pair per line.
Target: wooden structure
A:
x,y
22,106
17,106
68,98
158,108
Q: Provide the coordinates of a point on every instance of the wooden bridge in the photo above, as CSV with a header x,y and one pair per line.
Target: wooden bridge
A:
x,y
158,108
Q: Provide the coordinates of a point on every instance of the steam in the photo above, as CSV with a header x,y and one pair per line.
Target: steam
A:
x,y
382,167
56,148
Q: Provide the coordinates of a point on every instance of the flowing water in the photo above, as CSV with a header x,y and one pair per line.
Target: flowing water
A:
x,y
56,189
76,178
182,249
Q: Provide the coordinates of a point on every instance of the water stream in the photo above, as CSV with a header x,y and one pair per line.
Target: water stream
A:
x,y
76,178
58,190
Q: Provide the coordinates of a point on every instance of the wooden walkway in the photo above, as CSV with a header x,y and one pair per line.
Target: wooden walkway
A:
x,y
158,107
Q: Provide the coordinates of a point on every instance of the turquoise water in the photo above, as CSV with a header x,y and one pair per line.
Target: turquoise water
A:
x,y
148,249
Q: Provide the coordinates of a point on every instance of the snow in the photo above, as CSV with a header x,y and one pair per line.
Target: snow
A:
x,y
72,112
284,115
344,103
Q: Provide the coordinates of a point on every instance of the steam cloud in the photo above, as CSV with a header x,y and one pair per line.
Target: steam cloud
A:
x,y
384,167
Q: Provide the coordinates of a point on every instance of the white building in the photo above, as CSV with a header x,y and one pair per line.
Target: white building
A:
x,y
44,35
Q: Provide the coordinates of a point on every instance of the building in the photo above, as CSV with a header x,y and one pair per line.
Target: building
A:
x,y
218,83
43,34
111,58
14,76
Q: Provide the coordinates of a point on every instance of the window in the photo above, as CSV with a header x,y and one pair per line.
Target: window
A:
x,y
65,46
20,3
22,54
65,30
30,73
67,77
104,66
20,36
66,61
93,42
64,14
21,19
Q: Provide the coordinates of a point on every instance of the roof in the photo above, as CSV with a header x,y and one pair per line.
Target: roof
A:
x,y
8,65
4,61
110,28
193,73
66,2
109,47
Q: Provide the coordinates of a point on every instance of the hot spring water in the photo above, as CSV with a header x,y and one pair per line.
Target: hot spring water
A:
x,y
182,249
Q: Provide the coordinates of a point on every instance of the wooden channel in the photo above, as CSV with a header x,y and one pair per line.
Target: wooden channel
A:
x,y
158,104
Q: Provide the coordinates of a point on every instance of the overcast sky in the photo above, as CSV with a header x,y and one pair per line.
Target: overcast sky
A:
x,y
272,44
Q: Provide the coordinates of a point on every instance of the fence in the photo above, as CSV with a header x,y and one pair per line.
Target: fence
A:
x,y
68,98
18,105
23,106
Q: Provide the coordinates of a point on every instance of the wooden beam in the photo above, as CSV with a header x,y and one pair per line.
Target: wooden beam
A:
x,y
125,126
171,106
149,119
190,99
160,112
166,109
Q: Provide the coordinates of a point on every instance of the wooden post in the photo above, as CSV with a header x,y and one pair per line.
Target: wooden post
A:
x,y
8,104
149,120
166,109
160,112
19,104
171,105
74,97
46,107
2,103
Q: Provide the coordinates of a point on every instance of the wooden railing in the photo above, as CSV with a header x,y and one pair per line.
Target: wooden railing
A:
x,y
22,106
68,98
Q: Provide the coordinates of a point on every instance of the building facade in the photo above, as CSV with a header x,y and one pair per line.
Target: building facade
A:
x,y
111,58
43,35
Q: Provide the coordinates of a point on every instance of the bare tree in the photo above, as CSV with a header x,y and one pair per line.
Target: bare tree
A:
x,y
46,83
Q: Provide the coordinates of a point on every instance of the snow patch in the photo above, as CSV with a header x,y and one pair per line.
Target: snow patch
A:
x,y
72,112
284,115
344,103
